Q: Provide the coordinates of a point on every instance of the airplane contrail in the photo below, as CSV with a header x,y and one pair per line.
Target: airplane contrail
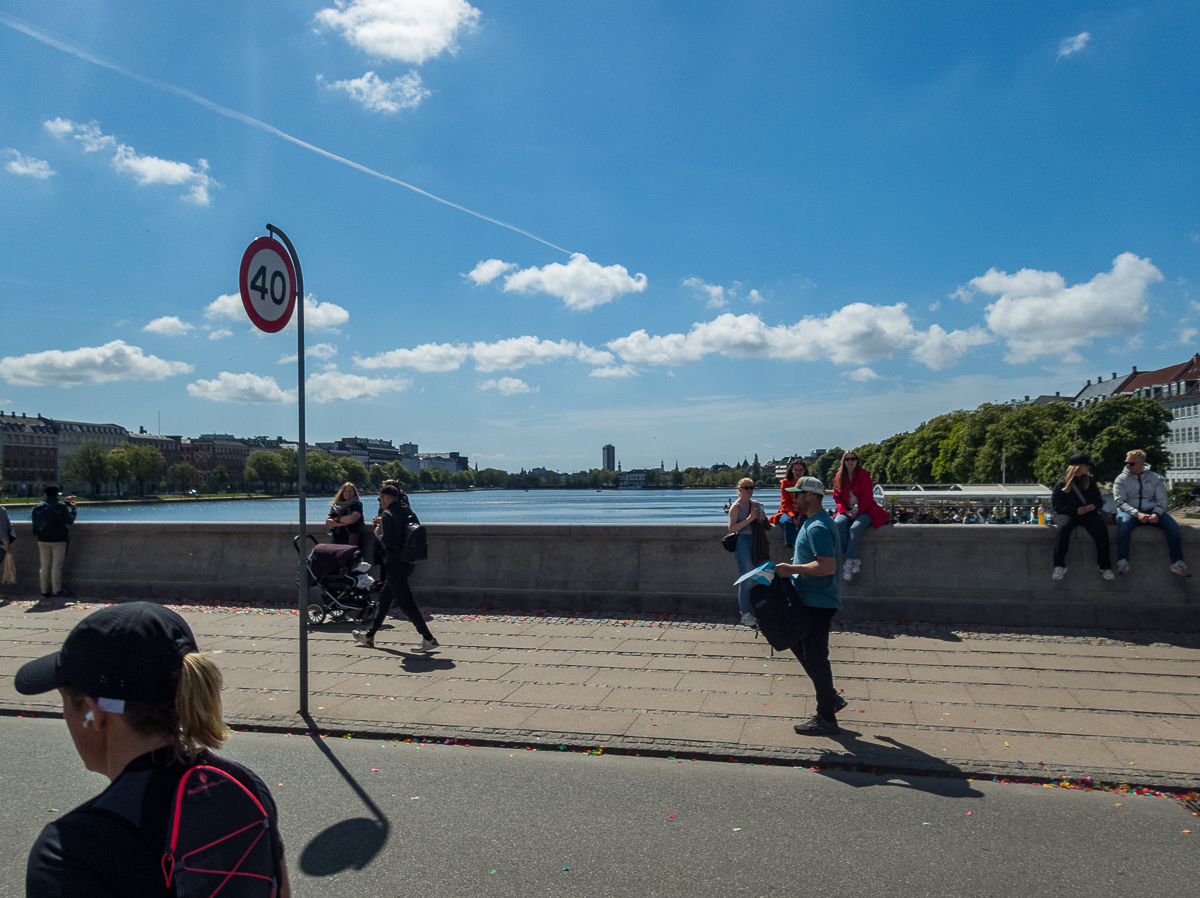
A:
x,y
25,28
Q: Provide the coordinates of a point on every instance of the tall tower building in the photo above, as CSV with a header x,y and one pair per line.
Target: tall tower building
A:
x,y
610,457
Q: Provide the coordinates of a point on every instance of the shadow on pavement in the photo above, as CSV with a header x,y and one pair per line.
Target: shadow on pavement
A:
x,y
899,765
417,662
353,842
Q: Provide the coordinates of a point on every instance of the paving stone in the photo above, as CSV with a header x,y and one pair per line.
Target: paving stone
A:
x,y
638,679
593,722
687,727
557,694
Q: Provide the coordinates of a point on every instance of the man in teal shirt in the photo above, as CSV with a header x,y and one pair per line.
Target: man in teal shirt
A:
x,y
814,572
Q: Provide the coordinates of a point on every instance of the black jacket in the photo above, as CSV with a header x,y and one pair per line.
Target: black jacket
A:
x,y
394,530
1068,502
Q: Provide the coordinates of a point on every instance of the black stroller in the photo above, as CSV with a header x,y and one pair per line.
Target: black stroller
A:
x,y
348,592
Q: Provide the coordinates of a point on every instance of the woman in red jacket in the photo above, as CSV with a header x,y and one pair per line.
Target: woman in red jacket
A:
x,y
787,514
857,509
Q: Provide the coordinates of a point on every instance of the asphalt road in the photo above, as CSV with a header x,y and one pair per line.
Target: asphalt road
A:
x,y
365,818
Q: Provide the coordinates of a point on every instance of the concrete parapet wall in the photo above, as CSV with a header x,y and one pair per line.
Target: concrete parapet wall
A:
x,y
997,575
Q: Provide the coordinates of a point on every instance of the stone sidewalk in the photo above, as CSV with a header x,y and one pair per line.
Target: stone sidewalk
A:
x,y
1117,707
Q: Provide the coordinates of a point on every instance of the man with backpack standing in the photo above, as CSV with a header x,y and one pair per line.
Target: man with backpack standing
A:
x,y
392,530
814,567
51,521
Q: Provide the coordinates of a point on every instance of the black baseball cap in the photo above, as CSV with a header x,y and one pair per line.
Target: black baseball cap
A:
x,y
128,652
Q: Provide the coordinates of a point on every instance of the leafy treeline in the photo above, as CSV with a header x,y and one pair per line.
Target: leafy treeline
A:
x,y
1035,441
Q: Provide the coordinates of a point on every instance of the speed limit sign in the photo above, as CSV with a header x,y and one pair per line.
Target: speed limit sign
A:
x,y
268,284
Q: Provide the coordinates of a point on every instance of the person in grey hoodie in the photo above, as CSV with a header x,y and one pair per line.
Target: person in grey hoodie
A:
x,y
1141,497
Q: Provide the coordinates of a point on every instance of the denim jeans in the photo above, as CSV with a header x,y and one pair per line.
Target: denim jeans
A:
x,y
1125,527
852,533
789,529
744,556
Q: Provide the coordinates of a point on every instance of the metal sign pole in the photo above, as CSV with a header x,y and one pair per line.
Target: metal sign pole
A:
x,y
301,573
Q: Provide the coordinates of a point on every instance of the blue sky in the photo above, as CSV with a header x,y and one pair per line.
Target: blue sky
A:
x,y
694,230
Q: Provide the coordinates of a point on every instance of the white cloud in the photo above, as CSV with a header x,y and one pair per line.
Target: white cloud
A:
x,y
1039,315
518,352
426,357
324,351
332,385
169,326
242,389
508,386
851,335
861,375
714,293
377,95
934,306
220,334
228,305
581,283
91,364
318,316
755,297
1188,334
146,170
1073,44
936,349
614,371
403,30
488,271
18,164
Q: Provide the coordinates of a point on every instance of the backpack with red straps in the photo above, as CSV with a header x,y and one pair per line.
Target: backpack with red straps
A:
x,y
218,843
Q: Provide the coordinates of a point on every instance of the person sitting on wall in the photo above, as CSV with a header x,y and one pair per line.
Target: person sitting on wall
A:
x,y
1141,497
1076,500
787,514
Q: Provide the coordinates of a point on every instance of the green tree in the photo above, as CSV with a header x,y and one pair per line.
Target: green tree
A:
x,y
377,476
353,471
827,464
266,468
756,470
183,476
88,465
118,466
146,464
320,469
220,478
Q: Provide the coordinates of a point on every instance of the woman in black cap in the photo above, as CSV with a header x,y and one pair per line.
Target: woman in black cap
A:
x,y
143,706
1076,501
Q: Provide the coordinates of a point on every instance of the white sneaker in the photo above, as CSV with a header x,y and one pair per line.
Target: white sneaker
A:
x,y
361,637
1107,573
857,565
848,569
427,645
1181,569
1122,565
749,620
1059,573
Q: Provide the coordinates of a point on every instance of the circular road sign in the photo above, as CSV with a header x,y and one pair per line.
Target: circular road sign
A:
x,y
268,283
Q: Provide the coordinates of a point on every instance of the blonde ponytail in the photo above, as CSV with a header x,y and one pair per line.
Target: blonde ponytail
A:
x,y
198,704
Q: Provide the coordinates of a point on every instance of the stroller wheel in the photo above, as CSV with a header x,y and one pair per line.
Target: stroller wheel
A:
x,y
316,613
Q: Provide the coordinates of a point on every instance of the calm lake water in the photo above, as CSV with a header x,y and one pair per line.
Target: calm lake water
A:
x,y
484,506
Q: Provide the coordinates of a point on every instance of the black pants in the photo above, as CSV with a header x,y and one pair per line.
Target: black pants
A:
x,y
396,588
1093,524
813,652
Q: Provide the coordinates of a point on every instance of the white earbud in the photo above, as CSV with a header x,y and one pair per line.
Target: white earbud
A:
x,y
88,718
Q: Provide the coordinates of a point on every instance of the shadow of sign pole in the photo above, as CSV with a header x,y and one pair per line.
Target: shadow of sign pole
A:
x,y
353,842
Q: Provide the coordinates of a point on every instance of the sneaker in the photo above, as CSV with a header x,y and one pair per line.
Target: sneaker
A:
x,y
817,726
1180,568
857,565
427,645
848,569
1106,573
61,594
749,620
1122,565
1059,573
361,637
839,705
45,595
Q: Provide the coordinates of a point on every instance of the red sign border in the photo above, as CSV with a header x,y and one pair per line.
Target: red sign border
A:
x,y
256,246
